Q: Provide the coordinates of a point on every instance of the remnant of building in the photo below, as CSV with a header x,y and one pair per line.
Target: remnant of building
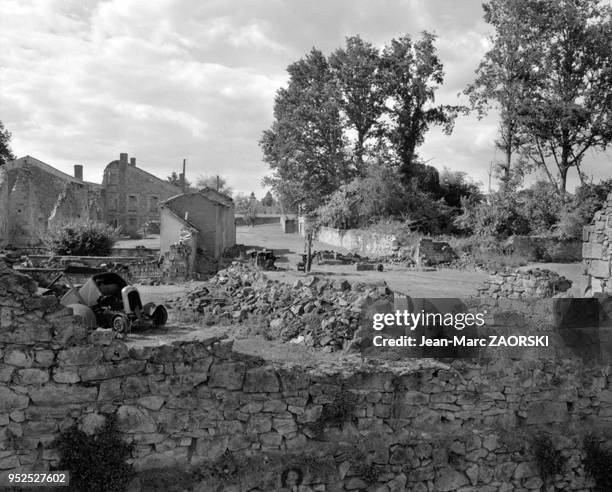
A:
x,y
35,195
131,196
289,226
208,217
596,251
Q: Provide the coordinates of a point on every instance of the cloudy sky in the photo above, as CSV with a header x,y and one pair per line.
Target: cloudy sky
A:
x,y
163,80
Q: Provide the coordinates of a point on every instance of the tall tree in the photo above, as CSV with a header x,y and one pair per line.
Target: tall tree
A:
x,y
503,82
411,72
567,91
305,147
215,182
5,150
356,71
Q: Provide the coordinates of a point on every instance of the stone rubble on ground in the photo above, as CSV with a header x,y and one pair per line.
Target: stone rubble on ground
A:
x,y
314,311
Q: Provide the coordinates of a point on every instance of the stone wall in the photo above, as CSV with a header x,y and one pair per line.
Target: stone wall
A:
x,y
358,241
430,252
420,425
525,283
596,251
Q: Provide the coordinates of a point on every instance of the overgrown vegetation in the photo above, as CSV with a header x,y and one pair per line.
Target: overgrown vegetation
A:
x,y
598,463
549,460
81,239
97,462
336,413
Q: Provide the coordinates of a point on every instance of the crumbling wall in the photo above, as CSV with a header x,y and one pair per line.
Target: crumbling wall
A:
x,y
358,241
422,425
522,284
430,252
596,251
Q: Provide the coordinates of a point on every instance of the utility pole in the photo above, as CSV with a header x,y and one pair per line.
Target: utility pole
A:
x,y
183,176
218,184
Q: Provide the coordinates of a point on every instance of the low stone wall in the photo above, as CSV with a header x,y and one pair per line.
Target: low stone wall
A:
x,y
521,284
358,241
420,425
259,220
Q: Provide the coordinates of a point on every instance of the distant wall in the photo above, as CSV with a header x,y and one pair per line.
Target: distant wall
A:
x,y
358,241
259,220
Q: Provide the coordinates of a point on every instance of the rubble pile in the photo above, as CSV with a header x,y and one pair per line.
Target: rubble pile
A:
x,y
316,312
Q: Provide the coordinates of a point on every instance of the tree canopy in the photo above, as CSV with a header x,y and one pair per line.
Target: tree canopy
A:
x,y
215,182
549,72
5,150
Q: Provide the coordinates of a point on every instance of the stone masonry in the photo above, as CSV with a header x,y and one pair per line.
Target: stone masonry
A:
x,y
424,426
596,251
524,284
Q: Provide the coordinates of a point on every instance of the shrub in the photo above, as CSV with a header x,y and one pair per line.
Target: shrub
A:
x,y
549,460
598,464
97,463
81,239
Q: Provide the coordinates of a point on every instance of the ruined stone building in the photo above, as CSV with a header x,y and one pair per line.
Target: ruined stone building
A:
x,y
131,196
206,220
35,196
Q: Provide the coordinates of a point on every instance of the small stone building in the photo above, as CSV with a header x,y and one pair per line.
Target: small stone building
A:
x,y
131,196
200,222
597,250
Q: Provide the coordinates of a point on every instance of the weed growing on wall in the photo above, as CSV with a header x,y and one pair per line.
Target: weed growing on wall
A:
x,y
598,464
97,462
336,413
548,459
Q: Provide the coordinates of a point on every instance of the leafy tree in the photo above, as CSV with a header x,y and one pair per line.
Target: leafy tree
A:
x,y
410,74
247,206
175,179
565,82
215,182
356,71
456,185
5,150
268,200
503,81
305,147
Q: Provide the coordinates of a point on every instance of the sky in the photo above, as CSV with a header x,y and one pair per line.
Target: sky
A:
x,y
82,81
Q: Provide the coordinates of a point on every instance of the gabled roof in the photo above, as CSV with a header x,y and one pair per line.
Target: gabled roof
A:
x,y
198,194
147,173
29,160
217,196
183,220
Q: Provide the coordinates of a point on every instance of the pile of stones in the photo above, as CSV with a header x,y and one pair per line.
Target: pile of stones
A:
x,y
313,311
522,284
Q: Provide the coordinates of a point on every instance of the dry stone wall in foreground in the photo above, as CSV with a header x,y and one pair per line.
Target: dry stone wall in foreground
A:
x,y
426,426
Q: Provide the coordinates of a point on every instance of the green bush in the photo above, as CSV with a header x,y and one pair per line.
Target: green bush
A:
x,y
81,239
97,463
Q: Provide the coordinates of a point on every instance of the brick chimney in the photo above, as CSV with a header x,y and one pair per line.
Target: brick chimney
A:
x,y
123,158
78,172
133,161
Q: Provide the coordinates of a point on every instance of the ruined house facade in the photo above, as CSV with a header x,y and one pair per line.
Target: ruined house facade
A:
x,y
35,196
131,196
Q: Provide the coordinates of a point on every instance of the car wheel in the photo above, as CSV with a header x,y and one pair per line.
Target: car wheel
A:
x,y
121,324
